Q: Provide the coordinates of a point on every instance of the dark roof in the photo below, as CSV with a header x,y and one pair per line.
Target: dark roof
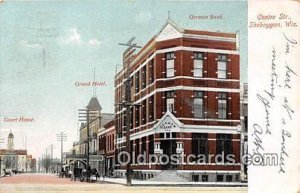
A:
x,y
109,124
3,151
210,33
183,31
106,118
21,152
17,152
10,135
94,104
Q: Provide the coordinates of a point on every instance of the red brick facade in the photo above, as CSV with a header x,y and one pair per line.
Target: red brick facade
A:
x,y
155,79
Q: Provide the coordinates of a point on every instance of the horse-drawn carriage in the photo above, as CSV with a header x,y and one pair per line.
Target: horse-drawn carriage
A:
x,y
64,173
88,175
77,173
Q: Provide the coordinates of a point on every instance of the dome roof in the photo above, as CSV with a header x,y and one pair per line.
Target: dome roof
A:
x,y
10,135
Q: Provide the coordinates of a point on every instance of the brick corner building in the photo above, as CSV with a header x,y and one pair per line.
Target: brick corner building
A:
x,y
187,83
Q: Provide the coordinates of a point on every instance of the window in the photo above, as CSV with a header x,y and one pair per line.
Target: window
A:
x,y
137,82
162,135
198,105
131,146
245,113
195,178
222,106
113,141
229,178
131,81
220,178
198,64
151,108
124,121
170,101
137,148
200,146
131,117
137,116
204,178
222,66
168,135
109,142
151,144
246,123
151,71
224,144
144,112
170,64
173,135
143,145
144,77
237,177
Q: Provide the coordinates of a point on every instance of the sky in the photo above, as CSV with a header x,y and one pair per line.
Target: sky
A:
x,y
48,46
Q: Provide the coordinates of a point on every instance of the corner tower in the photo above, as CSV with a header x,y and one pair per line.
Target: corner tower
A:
x,y
10,141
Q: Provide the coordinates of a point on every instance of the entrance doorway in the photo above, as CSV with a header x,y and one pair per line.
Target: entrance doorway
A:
x,y
168,145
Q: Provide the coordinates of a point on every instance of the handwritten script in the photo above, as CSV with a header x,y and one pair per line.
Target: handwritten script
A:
x,y
277,96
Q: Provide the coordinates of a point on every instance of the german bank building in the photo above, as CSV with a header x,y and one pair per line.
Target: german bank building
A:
x,y
185,91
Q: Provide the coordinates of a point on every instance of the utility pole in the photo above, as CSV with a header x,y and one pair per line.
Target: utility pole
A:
x,y
51,157
42,33
39,165
0,165
84,116
47,161
1,141
42,165
127,103
61,137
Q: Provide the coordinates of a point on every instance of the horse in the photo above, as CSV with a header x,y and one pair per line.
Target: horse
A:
x,y
95,173
86,175
6,173
15,172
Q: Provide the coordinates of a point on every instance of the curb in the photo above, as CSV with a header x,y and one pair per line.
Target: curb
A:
x,y
176,185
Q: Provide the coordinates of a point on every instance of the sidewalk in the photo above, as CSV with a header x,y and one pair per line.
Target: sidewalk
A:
x,y
157,183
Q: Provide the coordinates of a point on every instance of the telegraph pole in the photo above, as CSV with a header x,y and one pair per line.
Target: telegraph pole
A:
x,y
84,116
39,165
61,137
46,162
42,168
1,141
42,33
127,103
51,157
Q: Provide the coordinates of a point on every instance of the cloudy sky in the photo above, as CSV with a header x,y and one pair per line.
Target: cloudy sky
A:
x,y
48,46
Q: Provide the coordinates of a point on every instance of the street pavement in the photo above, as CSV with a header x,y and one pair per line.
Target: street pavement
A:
x,y
49,183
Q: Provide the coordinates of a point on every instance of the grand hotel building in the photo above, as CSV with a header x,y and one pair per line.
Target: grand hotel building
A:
x,y
187,83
